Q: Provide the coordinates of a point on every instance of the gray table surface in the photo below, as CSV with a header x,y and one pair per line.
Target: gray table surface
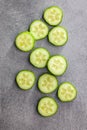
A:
x,y
17,107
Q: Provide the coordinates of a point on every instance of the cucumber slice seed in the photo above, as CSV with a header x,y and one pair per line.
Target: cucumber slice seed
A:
x,y
39,57
24,41
47,83
38,29
47,106
67,92
57,65
58,36
53,15
25,79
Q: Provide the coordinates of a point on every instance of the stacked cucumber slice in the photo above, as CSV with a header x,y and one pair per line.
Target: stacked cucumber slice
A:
x,y
40,58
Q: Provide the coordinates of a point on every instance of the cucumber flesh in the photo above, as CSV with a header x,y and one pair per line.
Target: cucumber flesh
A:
x,y
58,36
67,92
53,15
57,65
47,83
25,79
39,57
47,106
24,41
38,29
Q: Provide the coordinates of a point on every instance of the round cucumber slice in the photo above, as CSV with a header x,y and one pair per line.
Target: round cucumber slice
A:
x,y
38,29
53,15
58,36
67,92
39,57
25,79
47,83
24,41
47,106
57,65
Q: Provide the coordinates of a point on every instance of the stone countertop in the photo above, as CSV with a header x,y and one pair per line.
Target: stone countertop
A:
x,y
18,107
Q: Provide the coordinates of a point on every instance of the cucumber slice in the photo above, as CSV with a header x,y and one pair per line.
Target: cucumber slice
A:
x,y
38,29
39,57
47,83
58,36
47,106
53,15
24,41
57,65
25,79
67,92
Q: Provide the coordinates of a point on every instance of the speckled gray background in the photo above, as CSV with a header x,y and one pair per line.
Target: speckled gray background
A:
x,y
17,107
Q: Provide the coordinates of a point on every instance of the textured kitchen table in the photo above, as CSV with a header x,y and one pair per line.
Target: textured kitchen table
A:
x,y
17,107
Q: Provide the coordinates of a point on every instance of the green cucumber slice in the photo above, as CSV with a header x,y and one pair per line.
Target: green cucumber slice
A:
x,y
57,65
58,36
53,15
67,92
47,106
47,83
25,79
38,29
24,41
39,57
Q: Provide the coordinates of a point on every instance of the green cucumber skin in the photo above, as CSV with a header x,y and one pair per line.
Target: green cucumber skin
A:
x,y
25,71
58,45
31,59
51,114
21,49
46,20
66,64
44,24
51,91
73,98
